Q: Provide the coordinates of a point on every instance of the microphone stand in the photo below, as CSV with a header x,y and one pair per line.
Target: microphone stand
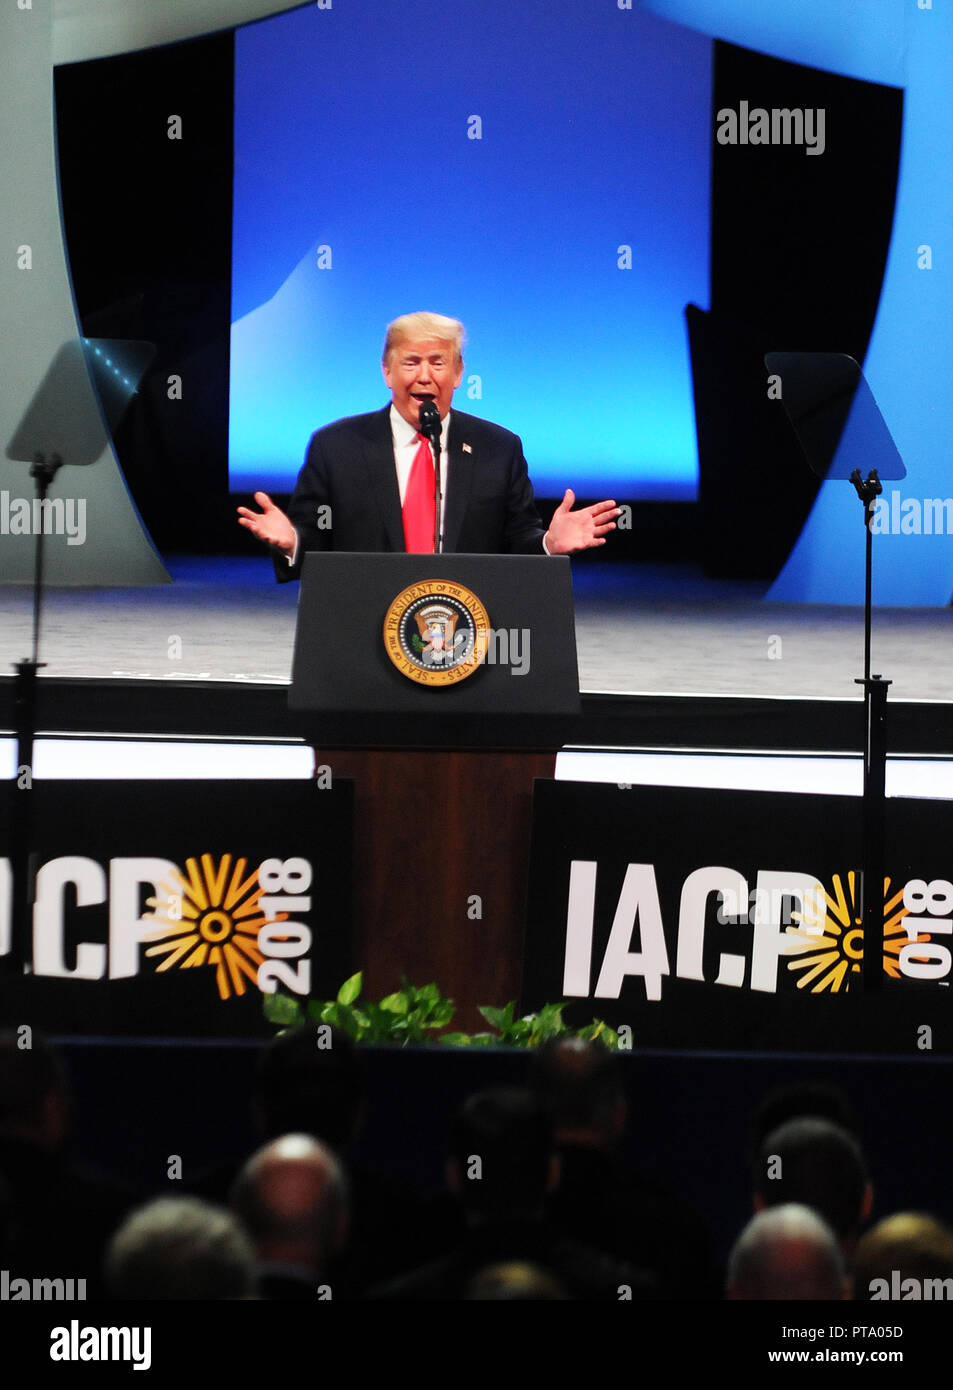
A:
x,y
431,428
438,498
437,495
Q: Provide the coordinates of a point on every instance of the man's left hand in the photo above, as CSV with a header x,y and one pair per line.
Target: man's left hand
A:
x,y
571,530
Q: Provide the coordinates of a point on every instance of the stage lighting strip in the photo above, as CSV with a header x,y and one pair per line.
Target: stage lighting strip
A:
x,y
99,758
82,759
830,776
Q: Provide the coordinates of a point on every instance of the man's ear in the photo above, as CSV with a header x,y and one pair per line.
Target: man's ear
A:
x,y
867,1205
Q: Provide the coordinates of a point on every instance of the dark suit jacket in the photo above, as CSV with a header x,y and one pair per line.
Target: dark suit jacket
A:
x,y
584,1273
349,468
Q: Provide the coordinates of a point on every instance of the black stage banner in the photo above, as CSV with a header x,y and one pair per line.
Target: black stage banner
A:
x,y
167,908
712,919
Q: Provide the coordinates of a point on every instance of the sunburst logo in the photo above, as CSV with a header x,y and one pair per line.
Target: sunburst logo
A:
x,y
831,953
211,916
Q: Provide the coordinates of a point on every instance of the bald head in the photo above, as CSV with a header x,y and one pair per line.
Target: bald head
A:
x,y
292,1197
907,1245
787,1252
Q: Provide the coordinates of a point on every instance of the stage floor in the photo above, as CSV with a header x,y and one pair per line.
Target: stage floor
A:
x,y
639,629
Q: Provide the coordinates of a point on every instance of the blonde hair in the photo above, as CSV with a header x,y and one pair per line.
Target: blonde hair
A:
x,y
424,326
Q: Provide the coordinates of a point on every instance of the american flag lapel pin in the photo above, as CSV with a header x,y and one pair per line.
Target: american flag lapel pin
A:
x,y
466,448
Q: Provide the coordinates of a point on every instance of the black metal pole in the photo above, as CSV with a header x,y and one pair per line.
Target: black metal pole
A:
x,y
43,471
875,768
868,579
875,765
24,704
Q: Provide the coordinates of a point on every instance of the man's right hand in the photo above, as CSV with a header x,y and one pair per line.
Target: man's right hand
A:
x,y
269,525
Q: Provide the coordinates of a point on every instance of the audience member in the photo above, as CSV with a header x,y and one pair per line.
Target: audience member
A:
x,y
909,1254
786,1253
180,1248
629,1215
309,1080
817,1164
514,1283
501,1167
798,1100
292,1199
59,1218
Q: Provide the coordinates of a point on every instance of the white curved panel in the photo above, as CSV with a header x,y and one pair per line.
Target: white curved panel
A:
x,y
84,29
37,312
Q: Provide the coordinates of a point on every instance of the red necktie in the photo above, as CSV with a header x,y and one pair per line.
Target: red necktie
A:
x,y
418,511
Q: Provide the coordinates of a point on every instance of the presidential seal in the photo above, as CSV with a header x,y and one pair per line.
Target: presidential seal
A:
x,y
436,632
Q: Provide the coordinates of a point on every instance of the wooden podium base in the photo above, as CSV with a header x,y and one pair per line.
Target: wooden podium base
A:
x,y
441,853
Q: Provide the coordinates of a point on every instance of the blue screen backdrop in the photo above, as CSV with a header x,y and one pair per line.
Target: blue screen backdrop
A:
x,y
361,193
905,43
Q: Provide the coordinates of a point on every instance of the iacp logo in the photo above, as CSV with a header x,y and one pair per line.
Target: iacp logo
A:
x,y
216,914
795,921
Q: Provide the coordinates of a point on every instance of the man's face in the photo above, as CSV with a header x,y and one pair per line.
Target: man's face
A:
x,y
422,370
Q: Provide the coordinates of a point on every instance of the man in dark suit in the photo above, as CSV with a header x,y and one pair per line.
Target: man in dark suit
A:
x,y
356,489
292,1198
500,1168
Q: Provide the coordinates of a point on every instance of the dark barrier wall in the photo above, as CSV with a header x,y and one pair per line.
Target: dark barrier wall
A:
x,y
690,1117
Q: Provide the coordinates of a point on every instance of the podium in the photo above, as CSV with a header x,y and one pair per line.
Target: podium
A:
x,y
443,759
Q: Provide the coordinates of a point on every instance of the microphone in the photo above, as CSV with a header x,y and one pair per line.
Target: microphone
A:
x,y
430,423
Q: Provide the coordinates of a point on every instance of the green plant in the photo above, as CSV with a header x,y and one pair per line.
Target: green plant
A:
x,y
530,1030
407,1016
415,1014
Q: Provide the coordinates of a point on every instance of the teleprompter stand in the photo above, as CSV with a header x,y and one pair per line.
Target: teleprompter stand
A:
x,y
61,426
837,422
43,471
